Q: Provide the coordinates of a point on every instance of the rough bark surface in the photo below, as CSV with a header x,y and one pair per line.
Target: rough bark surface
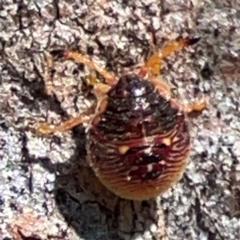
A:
x,y
41,196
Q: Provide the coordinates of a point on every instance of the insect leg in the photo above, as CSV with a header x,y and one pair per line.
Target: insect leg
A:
x,y
197,105
154,63
163,87
46,128
100,91
109,78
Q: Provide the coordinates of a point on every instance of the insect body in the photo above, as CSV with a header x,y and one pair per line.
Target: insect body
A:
x,y
139,142
138,139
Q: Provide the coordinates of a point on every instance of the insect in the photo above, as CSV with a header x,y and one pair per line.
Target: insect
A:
x,y
138,139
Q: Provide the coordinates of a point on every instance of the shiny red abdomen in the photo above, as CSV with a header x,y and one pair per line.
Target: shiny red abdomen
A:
x,y
138,145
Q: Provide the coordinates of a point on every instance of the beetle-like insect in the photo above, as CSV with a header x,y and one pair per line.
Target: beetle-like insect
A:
x,y
138,139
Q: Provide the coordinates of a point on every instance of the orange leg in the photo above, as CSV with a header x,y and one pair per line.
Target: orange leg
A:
x,y
153,66
110,79
165,90
100,90
46,128
155,61
163,87
197,105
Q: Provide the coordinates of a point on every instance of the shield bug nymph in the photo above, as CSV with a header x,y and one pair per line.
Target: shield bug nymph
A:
x,y
138,139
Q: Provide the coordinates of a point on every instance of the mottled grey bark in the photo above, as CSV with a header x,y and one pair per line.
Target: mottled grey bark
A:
x,y
40,193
